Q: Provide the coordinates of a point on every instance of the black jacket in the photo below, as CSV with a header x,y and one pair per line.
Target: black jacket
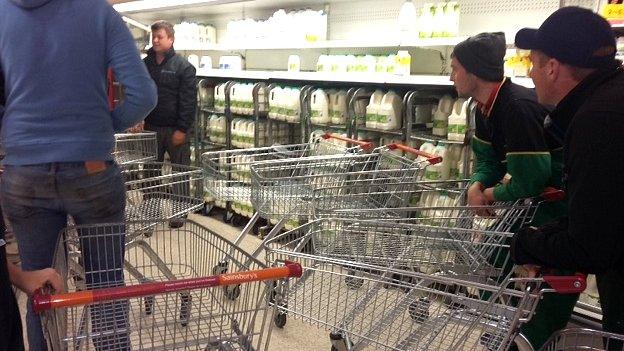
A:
x,y
177,91
590,121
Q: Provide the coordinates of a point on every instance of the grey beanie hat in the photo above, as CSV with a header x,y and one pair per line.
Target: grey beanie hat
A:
x,y
483,55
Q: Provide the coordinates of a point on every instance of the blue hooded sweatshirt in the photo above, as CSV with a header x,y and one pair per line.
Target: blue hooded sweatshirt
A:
x,y
54,55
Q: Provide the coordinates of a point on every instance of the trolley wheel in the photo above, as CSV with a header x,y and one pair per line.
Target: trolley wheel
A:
x,y
338,342
148,301
185,308
220,268
263,231
207,209
354,282
232,292
280,320
491,341
227,216
238,220
419,310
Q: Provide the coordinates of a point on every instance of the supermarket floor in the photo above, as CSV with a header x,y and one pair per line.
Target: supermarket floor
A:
x,y
294,336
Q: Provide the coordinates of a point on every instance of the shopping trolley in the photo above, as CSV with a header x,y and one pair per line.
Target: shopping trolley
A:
x,y
407,309
228,175
583,340
149,311
285,188
135,147
154,191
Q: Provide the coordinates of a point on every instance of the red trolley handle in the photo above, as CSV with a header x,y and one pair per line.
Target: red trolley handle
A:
x,y
366,145
572,284
432,159
42,302
551,194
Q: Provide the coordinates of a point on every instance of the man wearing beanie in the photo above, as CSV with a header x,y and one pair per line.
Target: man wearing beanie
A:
x,y
513,159
574,69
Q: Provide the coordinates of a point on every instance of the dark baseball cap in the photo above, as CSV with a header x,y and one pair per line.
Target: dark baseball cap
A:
x,y
572,35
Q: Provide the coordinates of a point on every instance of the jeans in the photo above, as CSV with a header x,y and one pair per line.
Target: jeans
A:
x,y
37,199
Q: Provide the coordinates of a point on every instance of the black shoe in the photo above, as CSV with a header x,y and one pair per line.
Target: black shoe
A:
x,y
176,223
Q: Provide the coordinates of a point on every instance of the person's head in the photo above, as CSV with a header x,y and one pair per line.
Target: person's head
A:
x,y
476,61
162,36
570,45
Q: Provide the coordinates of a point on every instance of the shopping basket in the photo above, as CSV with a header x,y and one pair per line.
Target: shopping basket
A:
x,y
228,175
580,339
156,190
142,309
135,147
356,198
285,188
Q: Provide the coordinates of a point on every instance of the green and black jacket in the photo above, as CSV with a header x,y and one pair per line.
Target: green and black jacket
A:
x,y
510,140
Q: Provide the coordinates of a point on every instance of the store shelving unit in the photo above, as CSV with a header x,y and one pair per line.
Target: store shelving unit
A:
x,y
336,77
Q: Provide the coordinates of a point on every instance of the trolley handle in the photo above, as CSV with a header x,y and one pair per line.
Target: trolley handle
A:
x,y
432,159
551,194
42,302
561,284
366,145
572,284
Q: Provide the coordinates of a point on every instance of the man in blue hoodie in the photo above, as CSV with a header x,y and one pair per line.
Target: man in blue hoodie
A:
x,y
57,132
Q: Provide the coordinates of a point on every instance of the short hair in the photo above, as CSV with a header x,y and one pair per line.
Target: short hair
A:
x,y
168,27
577,73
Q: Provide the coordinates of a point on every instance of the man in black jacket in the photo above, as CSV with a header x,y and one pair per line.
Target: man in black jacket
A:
x,y
574,69
177,100
177,95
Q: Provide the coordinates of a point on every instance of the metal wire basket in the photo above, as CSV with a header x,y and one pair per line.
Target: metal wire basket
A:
x,y
135,147
179,314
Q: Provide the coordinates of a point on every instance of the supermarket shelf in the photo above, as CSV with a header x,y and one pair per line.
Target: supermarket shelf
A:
x,y
324,44
328,77
423,136
285,122
211,110
335,126
370,78
380,131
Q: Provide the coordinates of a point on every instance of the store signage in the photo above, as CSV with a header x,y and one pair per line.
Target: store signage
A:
x,y
613,10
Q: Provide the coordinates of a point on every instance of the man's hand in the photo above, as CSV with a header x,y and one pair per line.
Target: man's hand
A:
x,y
137,128
489,195
528,270
31,281
178,138
476,197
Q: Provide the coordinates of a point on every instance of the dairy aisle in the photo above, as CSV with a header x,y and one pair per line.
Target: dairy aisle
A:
x,y
302,104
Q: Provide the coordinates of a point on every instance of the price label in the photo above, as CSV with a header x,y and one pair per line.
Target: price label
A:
x,y
613,11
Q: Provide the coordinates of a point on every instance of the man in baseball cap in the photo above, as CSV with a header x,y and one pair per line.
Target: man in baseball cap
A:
x,y
513,159
575,70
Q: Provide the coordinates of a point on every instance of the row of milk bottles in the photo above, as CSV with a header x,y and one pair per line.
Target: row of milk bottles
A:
x,y
329,107
384,111
450,118
219,97
284,104
216,128
241,98
452,165
243,133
